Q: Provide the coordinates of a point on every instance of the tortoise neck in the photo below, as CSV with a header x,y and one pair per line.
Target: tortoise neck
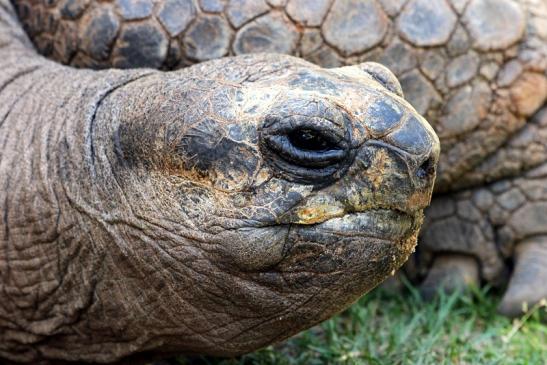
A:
x,y
17,53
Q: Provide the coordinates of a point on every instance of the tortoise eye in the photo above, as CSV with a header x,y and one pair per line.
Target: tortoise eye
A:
x,y
309,143
307,147
310,140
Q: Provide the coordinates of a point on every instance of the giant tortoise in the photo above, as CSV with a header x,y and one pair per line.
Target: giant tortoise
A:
x,y
210,210
475,68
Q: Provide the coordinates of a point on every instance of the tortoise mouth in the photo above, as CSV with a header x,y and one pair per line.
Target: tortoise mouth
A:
x,y
384,224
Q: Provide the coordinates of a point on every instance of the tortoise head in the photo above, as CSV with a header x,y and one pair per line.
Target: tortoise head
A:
x,y
270,193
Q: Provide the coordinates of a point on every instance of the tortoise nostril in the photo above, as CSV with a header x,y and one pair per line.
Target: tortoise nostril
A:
x,y
426,169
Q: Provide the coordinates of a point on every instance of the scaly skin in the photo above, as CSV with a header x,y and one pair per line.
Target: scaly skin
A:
x,y
475,68
210,210
486,223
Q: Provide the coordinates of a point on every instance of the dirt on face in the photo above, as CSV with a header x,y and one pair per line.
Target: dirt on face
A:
x,y
210,210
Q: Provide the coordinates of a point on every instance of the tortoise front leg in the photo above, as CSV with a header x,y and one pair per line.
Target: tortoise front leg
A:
x,y
490,230
528,283
450,272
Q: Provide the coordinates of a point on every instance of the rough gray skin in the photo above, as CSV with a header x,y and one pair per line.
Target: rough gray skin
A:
x,y
475,68
210,210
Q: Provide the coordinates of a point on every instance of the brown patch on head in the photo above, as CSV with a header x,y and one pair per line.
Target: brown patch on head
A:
x,y
419,199
318,213
380,165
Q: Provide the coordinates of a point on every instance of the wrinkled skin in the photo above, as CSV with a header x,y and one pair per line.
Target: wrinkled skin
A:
x,y
210,210
476,69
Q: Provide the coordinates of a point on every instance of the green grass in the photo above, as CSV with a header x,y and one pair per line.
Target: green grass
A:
x,y
387,328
